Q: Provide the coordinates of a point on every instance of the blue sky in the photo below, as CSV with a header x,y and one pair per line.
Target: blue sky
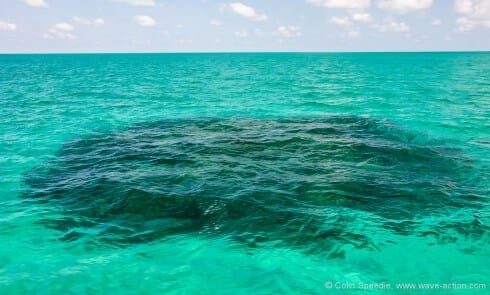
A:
x,y
244,25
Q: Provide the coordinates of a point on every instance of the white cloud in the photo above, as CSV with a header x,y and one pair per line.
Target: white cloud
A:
x,y
404,6
349,4
145,21
347,22
216,22
63,27
247,11
436,22
84,21
289,31
341,21
361,17
98,22
138,2
36,3
242,34
61,31
392,26
474,13
4,26
465,24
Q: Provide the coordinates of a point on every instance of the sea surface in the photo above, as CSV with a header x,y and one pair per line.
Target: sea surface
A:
x,y
253,173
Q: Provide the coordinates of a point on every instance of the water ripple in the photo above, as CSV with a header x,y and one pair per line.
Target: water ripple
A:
x,y
280,182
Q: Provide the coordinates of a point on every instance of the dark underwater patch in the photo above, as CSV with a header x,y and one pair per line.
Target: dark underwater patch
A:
x,y
292,182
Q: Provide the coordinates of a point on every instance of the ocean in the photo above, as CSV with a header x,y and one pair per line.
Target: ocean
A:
x,y
245,173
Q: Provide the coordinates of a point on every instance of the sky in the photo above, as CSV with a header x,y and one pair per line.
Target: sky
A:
x,y
40,26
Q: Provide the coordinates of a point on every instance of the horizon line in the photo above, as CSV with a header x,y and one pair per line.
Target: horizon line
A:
x,y
241,52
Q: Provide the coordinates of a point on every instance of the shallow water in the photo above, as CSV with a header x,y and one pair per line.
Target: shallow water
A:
x,y
243,173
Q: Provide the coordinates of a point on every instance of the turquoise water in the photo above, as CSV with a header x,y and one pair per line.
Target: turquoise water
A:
x,y
243,173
